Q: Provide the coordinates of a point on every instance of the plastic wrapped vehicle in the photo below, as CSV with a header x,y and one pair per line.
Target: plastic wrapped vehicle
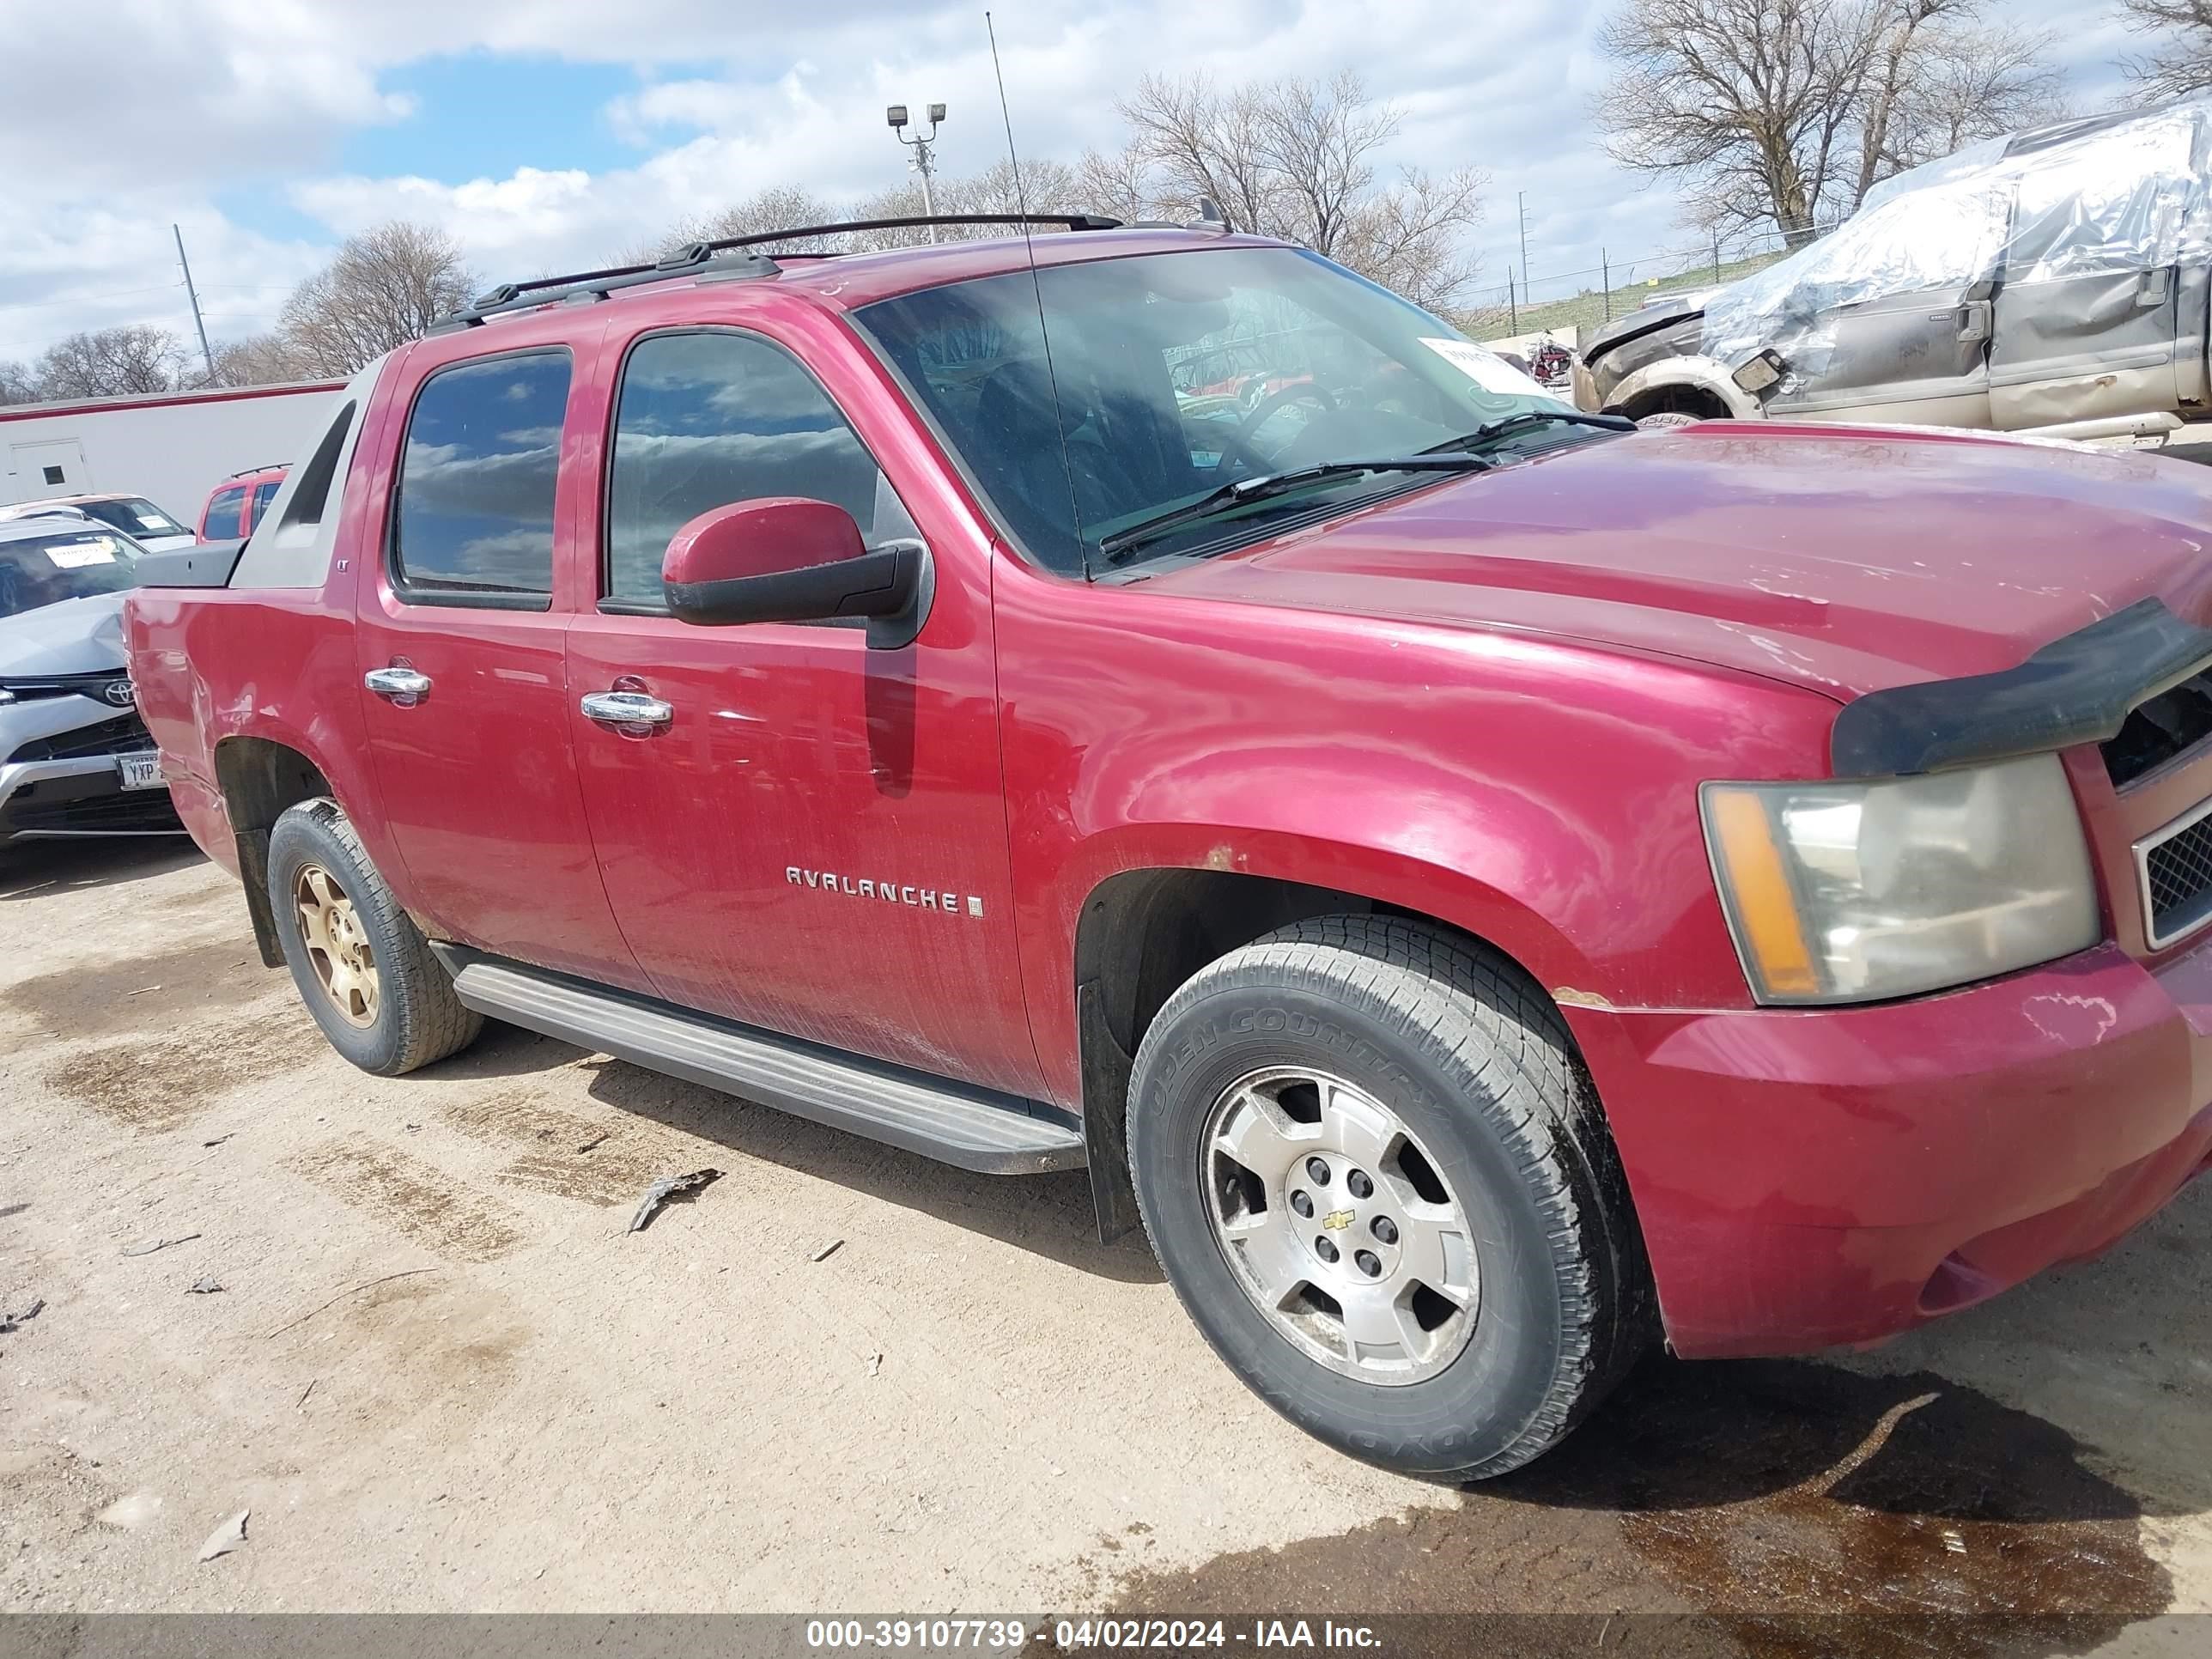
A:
x,y
2053,280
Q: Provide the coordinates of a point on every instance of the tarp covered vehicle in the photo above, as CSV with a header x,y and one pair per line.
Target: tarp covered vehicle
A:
x,y
2055,280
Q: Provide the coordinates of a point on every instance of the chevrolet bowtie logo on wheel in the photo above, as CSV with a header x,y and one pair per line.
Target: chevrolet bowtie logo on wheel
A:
x,y
120,693
1337,1220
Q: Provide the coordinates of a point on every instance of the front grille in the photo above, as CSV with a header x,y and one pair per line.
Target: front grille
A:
x,y
29,687
137,812
126,734
2176,865
2155,732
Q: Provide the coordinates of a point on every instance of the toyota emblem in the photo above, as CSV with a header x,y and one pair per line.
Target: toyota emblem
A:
x,y
120,693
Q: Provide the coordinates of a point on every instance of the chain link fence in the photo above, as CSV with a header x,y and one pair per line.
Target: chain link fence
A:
x,y
1585,300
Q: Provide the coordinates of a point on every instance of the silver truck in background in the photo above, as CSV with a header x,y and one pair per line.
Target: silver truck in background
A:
x,y
2053,281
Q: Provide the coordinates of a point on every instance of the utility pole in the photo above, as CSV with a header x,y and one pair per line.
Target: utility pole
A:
x,y
922,144
192,293
1605,275
1521,200
1512,308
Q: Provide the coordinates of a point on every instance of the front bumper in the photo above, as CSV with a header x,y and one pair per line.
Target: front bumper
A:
x,y
1810,1178
81,796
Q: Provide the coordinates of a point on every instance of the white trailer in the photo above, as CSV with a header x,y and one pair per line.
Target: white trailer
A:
x,y
173,447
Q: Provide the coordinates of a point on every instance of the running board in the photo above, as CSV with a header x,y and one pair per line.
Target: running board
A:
x,y
975,1128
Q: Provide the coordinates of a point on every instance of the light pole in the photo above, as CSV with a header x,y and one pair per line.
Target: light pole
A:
x,y
922,161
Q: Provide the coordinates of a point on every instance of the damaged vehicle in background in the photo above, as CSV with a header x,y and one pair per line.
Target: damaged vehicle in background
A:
x,y
75,757
2052,282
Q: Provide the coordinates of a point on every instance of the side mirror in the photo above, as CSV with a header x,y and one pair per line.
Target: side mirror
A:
x,y
788,559
1759,373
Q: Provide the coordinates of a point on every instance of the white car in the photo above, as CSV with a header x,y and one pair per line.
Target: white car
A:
x,y
134,515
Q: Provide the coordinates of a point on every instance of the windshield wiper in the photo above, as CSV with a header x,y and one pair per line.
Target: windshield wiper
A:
x,y
1246,490
1491,431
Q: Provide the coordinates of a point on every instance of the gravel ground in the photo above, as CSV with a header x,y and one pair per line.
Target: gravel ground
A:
x,y
439,1375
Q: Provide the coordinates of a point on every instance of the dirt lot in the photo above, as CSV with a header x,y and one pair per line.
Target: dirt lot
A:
x,y
441,1377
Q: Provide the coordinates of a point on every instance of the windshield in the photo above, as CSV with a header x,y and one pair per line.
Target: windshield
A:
x,y
41,570
136,516
1178,372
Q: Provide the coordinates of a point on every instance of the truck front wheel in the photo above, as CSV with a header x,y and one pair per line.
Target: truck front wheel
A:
x,y
362,965
1373,1170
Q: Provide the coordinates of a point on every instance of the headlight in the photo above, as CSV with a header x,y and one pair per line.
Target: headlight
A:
x,y
1848,892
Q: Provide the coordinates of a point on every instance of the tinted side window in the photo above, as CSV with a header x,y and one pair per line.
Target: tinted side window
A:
x,y
224,516
705,420
264,493
475,512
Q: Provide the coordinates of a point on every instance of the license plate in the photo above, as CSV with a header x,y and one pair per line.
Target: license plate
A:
x,y
140,771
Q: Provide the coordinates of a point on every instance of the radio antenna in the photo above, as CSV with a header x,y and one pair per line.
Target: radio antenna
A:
x,y
1029,246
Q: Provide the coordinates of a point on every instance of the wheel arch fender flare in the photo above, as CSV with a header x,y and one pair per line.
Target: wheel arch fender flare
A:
x,y
1707,375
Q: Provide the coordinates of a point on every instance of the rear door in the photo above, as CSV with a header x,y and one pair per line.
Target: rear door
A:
x,y
2088,304
2084,347
814,841
460,653
263,492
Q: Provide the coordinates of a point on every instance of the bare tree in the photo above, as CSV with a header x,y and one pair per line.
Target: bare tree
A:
x,y
112,362
779,206
1119,185
384,288
1196,139
1788,111
1969,83
1045,187
1294,159
1409,237
18,384
257,360
2180,59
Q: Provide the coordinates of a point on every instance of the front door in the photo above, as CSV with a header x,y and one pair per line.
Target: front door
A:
x,y
814,841
1919,357
463,679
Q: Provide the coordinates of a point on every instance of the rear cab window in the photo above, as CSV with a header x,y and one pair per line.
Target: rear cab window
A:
x,y
706,418
472,518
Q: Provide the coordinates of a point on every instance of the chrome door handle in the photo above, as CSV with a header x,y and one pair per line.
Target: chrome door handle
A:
x,y
627,709
404,686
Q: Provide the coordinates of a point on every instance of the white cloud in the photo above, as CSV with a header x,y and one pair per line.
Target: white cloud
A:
x,y
228,94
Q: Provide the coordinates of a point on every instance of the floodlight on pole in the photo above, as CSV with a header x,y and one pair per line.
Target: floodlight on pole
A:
x,y
924,157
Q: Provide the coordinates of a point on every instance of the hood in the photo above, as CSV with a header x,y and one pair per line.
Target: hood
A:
x,y
71,636
1847,560
1667,314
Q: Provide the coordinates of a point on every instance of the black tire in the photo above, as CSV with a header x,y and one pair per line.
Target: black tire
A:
x,y
1666,418
418,1018
1476,1064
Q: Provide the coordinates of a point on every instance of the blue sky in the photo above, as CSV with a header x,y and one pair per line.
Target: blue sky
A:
x,y
546,134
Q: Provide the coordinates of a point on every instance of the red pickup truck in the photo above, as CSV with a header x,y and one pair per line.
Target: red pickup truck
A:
x,y
1488,890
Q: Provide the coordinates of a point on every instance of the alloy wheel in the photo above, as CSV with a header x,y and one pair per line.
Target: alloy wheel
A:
x,y
337,945
1339,1226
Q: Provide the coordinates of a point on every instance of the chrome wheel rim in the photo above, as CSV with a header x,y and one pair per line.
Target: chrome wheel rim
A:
x,y
1339,1226
337,945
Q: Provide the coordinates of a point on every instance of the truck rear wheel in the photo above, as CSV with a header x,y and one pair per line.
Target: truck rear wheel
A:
x,y
361,964
1379,1181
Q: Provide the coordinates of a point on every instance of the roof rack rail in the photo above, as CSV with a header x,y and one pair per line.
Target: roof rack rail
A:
x,y
267,466
694,256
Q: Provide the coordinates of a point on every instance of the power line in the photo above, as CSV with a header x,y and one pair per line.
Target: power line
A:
x,y
84,299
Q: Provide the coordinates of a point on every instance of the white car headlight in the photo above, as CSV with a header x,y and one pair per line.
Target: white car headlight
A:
x,y
1850,892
